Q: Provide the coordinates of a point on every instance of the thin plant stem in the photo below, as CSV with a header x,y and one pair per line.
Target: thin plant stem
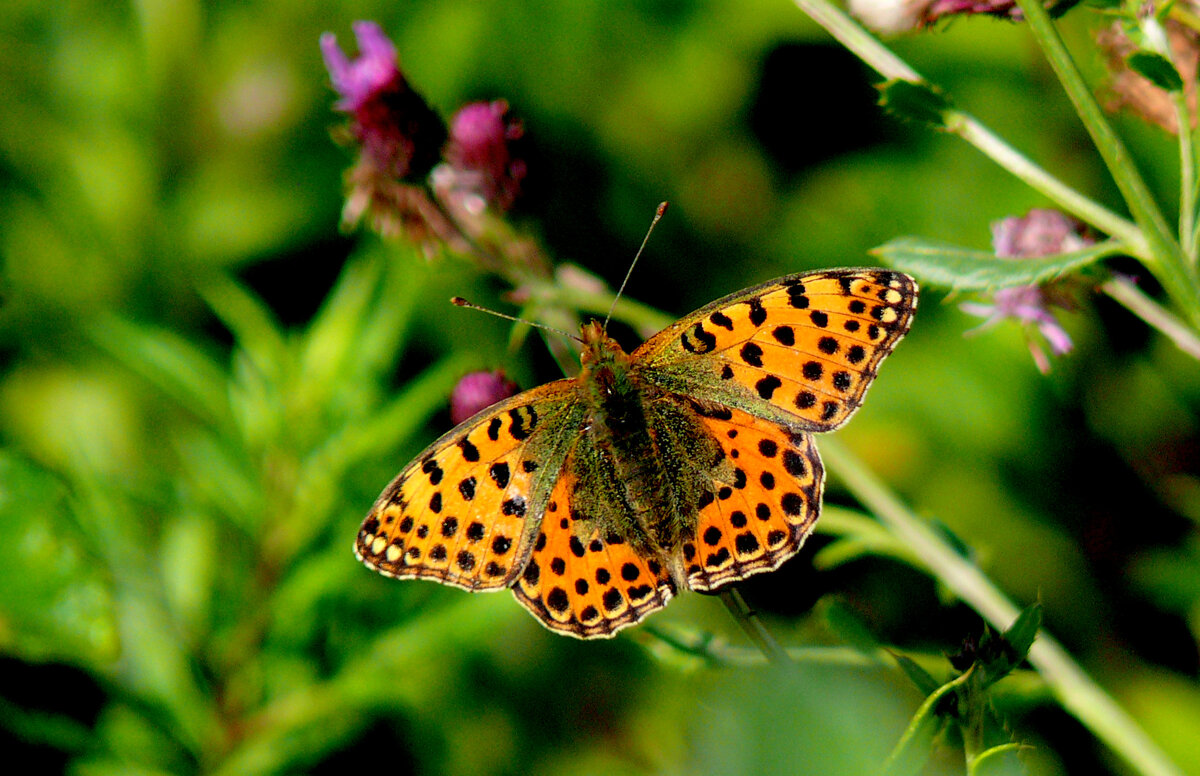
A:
x,y
867,48
1070,200
1076,691
1125,291
1167,259
720,654
1187,176
1158,38
920,720
753,626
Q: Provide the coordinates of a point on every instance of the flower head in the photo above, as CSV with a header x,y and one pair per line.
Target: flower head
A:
x,y
1041,232
477,391
400,136
481,162
892,17
376,70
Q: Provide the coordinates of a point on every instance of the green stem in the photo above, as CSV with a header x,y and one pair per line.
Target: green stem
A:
x,y
1187,176
1127,293
753,626
924,719
977,764
1157,38
887,64
1075,690
1070,200
1167,259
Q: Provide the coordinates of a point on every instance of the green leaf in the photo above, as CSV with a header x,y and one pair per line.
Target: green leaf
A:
x,y
45,729
1023,631
1000,760
321,473
998,654
963,269
912,751
1155,68
171,363
249,320
850,628
55,599
920,102
918,675
330,341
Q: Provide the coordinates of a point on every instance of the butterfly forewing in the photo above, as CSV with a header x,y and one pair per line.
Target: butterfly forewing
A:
x,y
803,347
760,517
461,512
586,582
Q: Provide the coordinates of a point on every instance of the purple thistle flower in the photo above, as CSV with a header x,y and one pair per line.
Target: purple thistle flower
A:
x,y
400,136
1041,232
375,70
481,164
477,391
896,16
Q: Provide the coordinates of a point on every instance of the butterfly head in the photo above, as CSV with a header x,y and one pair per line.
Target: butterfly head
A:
x,y
603,360
598,347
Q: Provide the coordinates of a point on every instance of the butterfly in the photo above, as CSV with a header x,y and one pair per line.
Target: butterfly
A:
x,y
689,463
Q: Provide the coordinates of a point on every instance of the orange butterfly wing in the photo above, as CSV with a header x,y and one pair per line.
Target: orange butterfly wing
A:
x,y
801,349
493,503
585,584
761,517
465,511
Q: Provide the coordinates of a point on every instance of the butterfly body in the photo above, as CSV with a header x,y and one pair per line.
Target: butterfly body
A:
x,y
640,454
686,464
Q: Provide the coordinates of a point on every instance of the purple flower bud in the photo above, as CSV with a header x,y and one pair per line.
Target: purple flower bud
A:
x,y
480,154
400,136
892,17
477,391
376,70
1040,233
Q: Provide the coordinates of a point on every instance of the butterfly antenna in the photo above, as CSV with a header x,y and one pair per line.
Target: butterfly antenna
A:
x,y
458,301
658,214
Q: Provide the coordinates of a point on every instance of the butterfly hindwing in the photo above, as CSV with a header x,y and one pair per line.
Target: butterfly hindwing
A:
x,y
804,348
461,513
762,515
585,582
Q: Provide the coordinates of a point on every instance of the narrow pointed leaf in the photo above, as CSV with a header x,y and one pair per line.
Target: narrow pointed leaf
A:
x,y
1023,631
918,675
174,365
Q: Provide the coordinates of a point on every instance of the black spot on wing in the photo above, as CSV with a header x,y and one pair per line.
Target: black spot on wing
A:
x,y
758,313
752,354
721,319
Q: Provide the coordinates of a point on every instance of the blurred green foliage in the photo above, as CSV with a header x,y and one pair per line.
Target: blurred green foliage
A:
x,y
205,385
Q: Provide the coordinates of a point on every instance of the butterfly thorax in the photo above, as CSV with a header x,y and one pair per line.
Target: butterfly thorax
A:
x,y
611,394
630,460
